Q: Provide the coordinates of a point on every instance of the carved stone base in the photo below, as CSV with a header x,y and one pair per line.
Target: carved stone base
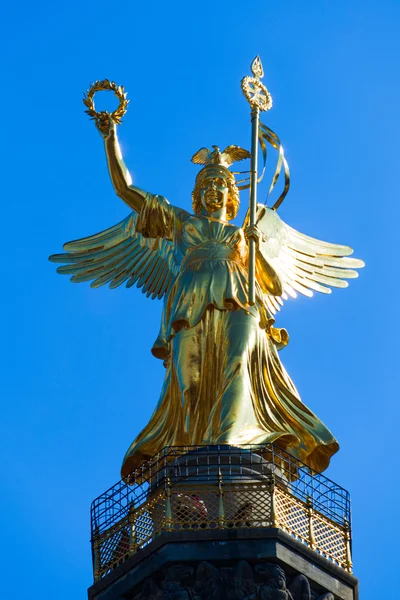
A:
x,y
242,564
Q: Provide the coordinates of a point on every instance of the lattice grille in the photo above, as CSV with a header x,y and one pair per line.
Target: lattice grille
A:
x,y
218,506
247,505
292,515
191,509
220,487
114,547
239,506
143,528
330,540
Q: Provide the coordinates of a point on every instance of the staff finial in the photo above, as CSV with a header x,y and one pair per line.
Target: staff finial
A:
x,y
254,90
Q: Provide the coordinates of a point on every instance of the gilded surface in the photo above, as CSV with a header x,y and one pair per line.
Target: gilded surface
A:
x,y
224,381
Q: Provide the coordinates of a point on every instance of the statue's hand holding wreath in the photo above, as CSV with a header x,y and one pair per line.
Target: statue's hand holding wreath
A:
x,y
106,126
104,120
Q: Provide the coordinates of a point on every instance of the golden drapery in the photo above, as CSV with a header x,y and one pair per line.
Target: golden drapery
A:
x,y
224,381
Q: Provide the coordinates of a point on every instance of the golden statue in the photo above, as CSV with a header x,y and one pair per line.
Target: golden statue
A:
x,y
224,381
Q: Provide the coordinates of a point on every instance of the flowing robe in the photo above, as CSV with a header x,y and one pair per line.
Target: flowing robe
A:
x,y
224,381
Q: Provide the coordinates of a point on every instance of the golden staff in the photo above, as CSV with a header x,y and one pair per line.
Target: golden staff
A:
x,y
259,98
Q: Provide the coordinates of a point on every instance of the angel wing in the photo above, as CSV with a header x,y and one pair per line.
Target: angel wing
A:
x,y
303,264
233,154
119,254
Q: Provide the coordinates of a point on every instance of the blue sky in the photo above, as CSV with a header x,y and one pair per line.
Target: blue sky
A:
x,y
78,380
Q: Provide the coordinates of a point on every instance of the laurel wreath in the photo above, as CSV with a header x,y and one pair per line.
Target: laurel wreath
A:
x,y
103,117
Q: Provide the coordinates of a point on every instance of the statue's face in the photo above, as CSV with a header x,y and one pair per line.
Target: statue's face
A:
x,y
214,192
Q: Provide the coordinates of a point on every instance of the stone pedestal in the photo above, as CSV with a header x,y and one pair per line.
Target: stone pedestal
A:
x,y
238,564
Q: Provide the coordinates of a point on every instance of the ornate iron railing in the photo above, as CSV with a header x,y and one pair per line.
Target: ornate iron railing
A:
x,y
220,487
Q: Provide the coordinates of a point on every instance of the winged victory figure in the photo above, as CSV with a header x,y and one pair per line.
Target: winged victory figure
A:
x,y
224,381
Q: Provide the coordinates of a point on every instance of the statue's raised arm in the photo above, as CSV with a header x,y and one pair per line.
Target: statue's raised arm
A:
x,y
106,123
120,176
137,250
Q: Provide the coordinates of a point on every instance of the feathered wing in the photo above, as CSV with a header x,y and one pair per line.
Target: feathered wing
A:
x,y
303,264
202,156
118,255
233,154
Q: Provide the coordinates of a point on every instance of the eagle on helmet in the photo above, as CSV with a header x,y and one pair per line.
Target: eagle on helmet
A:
x,y
231,154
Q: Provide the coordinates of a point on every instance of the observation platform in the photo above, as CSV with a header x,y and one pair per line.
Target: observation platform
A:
x,y
245,510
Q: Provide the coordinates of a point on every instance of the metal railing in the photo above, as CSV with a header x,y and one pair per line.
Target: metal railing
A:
x,y
220,487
